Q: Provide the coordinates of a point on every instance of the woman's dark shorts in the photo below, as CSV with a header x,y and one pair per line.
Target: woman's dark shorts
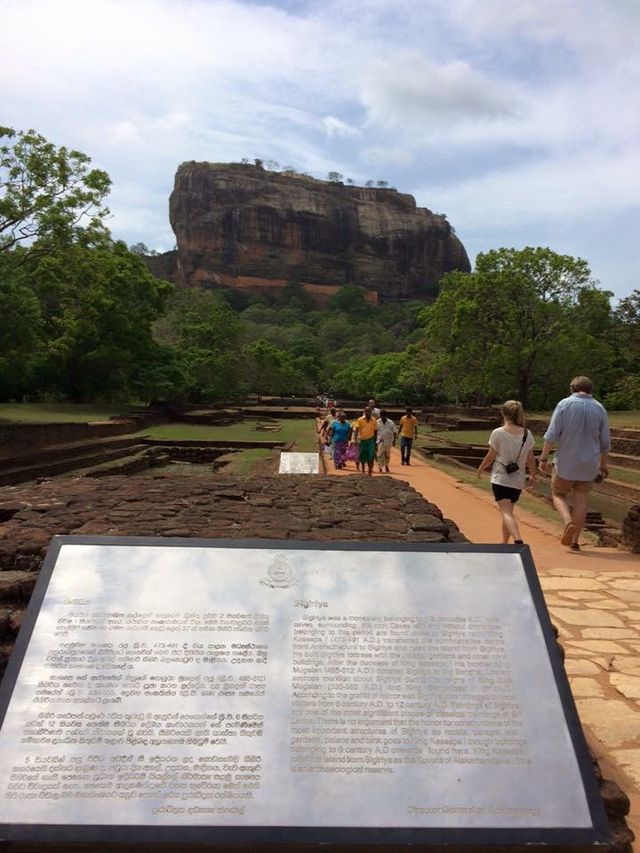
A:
x,y
501,493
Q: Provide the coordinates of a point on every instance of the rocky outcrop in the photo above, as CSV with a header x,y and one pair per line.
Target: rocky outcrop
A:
x,y
164,265
241,226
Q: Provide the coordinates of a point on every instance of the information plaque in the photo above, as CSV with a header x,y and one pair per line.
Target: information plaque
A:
x,y
299,463
287,693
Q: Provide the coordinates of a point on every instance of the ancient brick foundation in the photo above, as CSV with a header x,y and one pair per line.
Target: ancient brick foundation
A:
x,y
631,529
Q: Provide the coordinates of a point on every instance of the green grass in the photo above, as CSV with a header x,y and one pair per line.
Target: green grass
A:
x,y
628,420
57,412
625,475
300,431
244,461
469,436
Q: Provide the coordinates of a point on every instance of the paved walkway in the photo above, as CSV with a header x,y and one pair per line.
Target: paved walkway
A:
x,y
594,600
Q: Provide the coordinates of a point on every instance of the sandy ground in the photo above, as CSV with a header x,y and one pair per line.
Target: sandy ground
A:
x,y
579,588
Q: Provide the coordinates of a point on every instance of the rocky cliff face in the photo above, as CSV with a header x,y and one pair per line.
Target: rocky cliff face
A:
x,y
241,226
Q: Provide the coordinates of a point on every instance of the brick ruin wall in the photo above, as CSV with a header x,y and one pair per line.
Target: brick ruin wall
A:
x,y
18,437
283,507
631,529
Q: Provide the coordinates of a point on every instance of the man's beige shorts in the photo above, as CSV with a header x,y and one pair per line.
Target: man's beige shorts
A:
x,y
562,487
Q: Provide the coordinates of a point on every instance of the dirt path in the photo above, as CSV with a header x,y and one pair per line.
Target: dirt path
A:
x,y
594,600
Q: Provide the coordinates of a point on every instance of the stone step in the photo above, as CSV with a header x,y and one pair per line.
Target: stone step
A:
x,y
43,455
72,462
227,444
618,489
626,445
625,432
622,460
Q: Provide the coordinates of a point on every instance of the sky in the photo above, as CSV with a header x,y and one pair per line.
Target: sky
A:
x,y
519,119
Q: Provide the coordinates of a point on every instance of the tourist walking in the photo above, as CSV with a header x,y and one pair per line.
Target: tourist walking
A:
x,y
326,423
386,439
375,411
580,428
365,430
408,432
510,454
339,435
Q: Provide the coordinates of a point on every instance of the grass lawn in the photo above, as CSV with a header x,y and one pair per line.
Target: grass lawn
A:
x,y
430,438
470,436
57,412
244,461
625,475
628,420
300,431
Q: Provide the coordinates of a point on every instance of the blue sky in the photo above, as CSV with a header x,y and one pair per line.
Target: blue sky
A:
x,y
519,119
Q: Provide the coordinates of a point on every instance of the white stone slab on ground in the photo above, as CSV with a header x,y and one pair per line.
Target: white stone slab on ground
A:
x,y
299,463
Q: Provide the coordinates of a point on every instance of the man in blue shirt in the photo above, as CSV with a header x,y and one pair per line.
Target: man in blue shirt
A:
x,y
580,428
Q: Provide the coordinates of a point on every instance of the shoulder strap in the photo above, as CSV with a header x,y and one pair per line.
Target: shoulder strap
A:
x,y
524,438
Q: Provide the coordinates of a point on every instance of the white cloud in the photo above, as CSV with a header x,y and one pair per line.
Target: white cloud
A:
x,y
505,111
408,89
576,187
335,127
380,155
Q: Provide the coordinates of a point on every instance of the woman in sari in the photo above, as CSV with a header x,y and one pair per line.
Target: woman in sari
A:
x,y
339,434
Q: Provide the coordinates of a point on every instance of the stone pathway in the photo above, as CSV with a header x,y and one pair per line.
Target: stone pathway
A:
x,y
594,600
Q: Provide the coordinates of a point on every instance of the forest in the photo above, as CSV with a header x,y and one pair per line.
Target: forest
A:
x,y
82,319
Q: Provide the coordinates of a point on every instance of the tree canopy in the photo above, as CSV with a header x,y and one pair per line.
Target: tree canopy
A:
x,y
48,194
516,327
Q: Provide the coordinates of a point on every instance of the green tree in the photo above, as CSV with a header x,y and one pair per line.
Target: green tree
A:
x,y
20,329
509,328
205,334
143,249
350,299
270,370
98,306
626,327
48,195
625,334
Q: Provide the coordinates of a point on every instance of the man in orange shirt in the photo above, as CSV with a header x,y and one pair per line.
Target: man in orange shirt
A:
x,y
408,431
365,431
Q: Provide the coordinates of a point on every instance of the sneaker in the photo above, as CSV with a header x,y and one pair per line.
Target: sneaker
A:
x,y
567,533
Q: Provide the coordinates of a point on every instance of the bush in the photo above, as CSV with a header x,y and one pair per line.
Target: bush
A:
x,y
625,395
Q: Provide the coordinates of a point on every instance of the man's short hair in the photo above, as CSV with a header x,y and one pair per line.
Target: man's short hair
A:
x,y
581,383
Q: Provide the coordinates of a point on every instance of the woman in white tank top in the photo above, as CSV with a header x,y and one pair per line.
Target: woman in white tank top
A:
x,y
510,454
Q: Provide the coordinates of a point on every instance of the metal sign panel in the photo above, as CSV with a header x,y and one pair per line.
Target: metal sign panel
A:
x,y
291,691
299,463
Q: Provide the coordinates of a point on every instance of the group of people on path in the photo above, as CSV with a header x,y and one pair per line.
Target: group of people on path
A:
x,y
579,427
578,431
369,438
